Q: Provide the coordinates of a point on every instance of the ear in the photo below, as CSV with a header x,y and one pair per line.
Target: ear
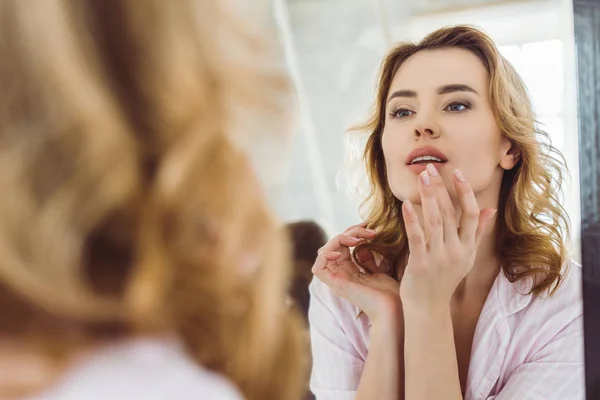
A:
x,y
510,154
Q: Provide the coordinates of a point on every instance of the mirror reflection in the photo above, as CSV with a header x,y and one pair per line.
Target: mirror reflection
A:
x,y
437,146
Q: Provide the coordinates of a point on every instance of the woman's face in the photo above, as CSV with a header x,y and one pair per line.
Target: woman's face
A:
x,y
438,112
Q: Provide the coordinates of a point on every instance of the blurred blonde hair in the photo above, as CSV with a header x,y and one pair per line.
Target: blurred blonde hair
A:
x,y
126,206
533,231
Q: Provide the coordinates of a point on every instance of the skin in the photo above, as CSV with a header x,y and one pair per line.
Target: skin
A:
x,y
459,123
449,215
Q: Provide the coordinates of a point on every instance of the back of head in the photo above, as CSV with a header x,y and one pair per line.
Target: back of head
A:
x,y
126,205
307,238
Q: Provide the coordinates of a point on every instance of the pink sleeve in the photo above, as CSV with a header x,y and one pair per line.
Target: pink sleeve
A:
x,y
337,366
556,372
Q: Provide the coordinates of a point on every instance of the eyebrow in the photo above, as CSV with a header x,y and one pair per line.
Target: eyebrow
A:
x,y
444,89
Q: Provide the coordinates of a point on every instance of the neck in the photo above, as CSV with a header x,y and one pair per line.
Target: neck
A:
x,y
486,266
27,371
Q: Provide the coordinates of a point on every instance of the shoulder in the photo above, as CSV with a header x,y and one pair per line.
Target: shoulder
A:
x,y
550,314
323,299
515,298
153,369
568,296
334,317
537,340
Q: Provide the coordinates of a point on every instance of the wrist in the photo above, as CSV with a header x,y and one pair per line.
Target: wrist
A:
x,y
427,311
388,314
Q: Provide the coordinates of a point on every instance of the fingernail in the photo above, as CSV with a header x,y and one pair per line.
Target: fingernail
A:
x,y
409,206
353,238
432,170
459,176
371,230
425,178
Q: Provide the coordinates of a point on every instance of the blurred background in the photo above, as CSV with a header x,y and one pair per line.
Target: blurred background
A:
x,y
333,49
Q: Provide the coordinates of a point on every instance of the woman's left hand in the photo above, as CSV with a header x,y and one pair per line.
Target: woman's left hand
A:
x,y
441,253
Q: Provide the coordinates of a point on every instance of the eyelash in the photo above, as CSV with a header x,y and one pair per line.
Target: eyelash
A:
x,y
467,106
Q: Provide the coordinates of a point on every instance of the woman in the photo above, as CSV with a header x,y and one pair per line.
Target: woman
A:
x,y
138,258
462,287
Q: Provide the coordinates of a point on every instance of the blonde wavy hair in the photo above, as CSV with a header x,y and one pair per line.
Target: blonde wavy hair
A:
x,y
533,227
126,206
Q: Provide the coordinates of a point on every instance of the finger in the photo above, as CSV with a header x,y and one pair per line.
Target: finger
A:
x,y
329,272
362,233
361,225
447,211
485,218
432,218
469,218
339,242
414,233
322,260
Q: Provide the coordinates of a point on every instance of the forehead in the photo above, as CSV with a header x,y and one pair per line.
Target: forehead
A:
x,y
429,69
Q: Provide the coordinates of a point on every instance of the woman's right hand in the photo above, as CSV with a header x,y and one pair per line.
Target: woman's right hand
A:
x,y
374,293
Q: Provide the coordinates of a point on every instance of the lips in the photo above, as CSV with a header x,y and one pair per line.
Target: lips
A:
x,y
426,152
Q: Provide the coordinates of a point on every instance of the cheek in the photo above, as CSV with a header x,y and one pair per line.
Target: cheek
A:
x,y
475,138
475,144
400,179
392,145
478,160
385,142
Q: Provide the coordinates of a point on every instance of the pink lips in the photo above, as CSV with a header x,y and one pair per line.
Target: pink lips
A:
x,y
425,151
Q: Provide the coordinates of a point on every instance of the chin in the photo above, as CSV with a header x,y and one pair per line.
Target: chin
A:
x,y
415,199
413,195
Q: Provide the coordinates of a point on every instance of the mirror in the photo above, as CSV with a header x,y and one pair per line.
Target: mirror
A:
x,y
334,49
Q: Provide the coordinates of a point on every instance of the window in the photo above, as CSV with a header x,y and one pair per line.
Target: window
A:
x,y
541,66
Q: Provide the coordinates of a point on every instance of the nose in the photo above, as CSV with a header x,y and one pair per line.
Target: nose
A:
x,y
427,128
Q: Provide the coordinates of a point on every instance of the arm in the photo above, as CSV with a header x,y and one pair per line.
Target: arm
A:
x,y
383,376
339,372
339,283
430,356
336,364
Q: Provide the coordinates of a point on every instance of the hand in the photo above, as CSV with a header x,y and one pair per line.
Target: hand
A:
x,y
443,254
374,293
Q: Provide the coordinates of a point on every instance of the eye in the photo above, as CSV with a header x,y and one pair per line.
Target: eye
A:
x,y
401,113
457,106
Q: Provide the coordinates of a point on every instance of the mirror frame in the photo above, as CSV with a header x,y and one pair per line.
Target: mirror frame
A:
x,y
586,14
